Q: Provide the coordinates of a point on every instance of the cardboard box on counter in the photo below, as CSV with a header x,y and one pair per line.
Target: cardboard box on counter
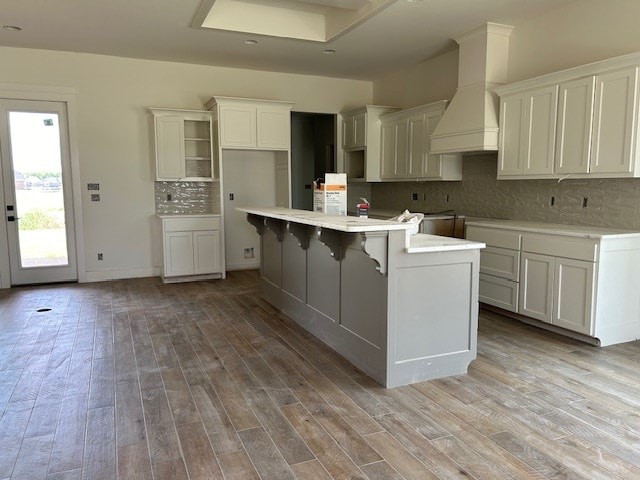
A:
x,y
331,196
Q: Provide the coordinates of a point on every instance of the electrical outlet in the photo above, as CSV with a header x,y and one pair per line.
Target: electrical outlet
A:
x,y
100,256
248,253
231,196
584,202
414,196
93,186
95,197
168,197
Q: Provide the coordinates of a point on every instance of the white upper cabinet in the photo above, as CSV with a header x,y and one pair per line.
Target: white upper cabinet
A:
x,y
169,147
540,130
575,116
184,144
417,134
614,121
406,142
511,135
237,126
596,133
252,124
362,141
527,140
354,130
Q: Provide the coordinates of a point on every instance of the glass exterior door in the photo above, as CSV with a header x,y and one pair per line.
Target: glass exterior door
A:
x,y
37,191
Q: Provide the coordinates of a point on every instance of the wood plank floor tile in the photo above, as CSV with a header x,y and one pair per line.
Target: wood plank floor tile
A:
x,y
237,465
265,455
198,455
100,448
136,379
33,459
69,441
332,457
134,462
311,470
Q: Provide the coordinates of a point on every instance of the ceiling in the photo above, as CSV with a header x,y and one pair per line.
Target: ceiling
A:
x,y
402,33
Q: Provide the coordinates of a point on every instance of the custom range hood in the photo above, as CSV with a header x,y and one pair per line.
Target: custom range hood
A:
x,y
470,123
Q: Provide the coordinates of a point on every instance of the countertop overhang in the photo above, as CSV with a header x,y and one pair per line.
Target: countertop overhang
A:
x,y
418,243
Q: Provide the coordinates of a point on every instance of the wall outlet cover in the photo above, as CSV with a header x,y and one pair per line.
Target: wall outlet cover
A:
x,y
95,197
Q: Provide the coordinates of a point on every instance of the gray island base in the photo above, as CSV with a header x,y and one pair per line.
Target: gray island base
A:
x,y
402,308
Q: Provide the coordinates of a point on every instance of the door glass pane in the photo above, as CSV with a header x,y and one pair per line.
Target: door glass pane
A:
x,y
37,171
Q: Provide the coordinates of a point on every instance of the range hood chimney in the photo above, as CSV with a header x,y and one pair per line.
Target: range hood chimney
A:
x,y
470,123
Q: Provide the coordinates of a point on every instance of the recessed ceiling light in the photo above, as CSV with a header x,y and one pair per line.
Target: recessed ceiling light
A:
x,y
328,51
251,42
13,28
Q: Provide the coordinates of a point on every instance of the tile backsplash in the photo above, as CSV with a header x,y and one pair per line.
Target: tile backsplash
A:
x,y
609,202
187,197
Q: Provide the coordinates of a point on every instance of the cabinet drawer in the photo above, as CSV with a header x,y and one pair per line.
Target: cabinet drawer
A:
x,y
191,224
500,262
498,292
494,237
559,246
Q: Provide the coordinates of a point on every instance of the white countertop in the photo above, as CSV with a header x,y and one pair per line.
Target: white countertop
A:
x,y
189,215
333,222
552,228
423,243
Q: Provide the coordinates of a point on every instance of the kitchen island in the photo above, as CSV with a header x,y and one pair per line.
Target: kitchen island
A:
x,y
403,308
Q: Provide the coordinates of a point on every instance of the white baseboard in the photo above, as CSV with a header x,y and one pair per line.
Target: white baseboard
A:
x,y
120,273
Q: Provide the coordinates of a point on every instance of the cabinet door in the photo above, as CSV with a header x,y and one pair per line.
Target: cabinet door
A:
x,y
348,132
274,128
206,252
388,150
498,292
433,163
178,254
536,286
511,135
573,292
540,130
613,121
402,152
417,140
169,147
575,119
500,262
237,126
360,130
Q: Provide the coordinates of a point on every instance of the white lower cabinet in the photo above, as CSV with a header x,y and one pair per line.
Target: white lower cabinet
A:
x,y
581,279
536,293
558,291
499,267
573,294
191,247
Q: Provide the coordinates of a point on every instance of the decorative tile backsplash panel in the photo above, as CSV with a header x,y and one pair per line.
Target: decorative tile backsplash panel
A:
x,y
187,197
609,202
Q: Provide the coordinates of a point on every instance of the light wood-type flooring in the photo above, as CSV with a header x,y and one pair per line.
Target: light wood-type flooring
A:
x,y
135,379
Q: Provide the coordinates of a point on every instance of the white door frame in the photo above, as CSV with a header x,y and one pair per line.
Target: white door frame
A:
x,y
67,95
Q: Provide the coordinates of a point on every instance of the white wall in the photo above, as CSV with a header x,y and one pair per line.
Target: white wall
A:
x,y
426,82
115,132
581,32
